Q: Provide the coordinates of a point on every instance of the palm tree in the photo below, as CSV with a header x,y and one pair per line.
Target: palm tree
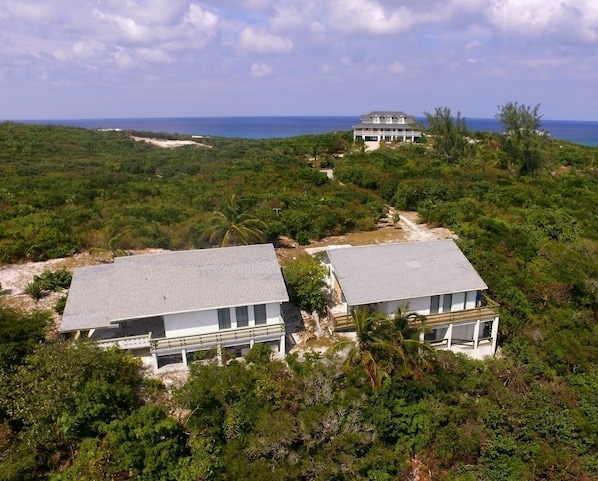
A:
x,y
413,355
233,226
369,350
385,344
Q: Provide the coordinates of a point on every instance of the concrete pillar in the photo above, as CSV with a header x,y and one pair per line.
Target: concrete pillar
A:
x,y
184,356
219,354
476,334
494,334
283,347
251,343
449,335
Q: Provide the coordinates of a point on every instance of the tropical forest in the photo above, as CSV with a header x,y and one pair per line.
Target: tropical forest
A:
x,y
383,406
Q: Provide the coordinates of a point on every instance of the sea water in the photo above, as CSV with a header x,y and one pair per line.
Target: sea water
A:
x,y
581,132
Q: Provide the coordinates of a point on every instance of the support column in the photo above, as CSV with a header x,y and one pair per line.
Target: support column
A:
x,y
219,354
476,334
251,343
449,336
494,334
283,347
184,355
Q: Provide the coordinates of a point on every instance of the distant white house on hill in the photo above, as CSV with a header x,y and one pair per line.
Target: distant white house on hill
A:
x,y
434,278
164,307
387,126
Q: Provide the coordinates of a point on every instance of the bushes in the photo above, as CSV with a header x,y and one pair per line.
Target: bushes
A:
x,y
304,277
48,281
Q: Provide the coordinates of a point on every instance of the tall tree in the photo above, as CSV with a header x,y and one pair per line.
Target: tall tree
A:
x,y
449,134
412,354
523,137
372,349
304,278
234,226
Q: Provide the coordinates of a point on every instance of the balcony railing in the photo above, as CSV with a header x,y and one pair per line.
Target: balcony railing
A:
x,y
219,337
133,342
344,322
209,339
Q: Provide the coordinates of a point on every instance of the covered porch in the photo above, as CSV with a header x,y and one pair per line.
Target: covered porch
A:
x,y
160,347
473,332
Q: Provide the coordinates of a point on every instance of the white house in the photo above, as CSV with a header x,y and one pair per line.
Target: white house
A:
x,y
434,278
385,126
166,306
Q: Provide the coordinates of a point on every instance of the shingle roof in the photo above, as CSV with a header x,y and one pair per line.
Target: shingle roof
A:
x,y
185,281
386,272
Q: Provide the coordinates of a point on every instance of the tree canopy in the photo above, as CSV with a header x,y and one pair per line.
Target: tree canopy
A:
x,y
523,136
449,134
72,411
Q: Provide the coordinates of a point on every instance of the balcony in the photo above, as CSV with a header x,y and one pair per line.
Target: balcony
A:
x,y
488,311
198,341
223,338
339,317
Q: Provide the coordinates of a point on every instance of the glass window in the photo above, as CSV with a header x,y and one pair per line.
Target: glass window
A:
x,y
242,316
224,318
447,302
259,312
434,304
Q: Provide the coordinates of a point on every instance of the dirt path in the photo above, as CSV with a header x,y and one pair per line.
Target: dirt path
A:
x,y
407,229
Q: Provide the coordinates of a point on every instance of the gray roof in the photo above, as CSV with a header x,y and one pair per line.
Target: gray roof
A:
x,y
144,286
386,113
387,272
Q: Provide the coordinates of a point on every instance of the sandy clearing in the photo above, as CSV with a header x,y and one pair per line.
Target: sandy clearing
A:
x,y
168,144
15,277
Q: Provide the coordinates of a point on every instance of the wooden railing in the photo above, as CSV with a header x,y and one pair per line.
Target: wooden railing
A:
x,y
344,322
218,337
478,313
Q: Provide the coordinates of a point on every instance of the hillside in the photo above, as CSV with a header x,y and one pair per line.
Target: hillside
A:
x,y
531,413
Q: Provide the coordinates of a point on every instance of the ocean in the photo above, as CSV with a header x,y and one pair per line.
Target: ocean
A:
x,y
581,132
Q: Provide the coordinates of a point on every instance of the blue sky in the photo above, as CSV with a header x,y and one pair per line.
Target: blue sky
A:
x,y
62,59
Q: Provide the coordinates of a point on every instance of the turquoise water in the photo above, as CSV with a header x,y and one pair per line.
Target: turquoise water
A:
x,y
581,132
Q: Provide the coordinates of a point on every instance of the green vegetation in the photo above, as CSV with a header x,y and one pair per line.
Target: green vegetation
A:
x,y
449,134
48,281
233,226
77,412
66,189
385,345
304,278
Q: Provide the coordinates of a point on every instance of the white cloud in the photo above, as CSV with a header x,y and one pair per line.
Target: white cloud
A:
x,y
565,19
204,21
263,42
349,42
260,70
369,17
88,49
29,11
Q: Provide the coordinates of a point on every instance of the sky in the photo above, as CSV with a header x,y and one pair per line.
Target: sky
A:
x,y
79,59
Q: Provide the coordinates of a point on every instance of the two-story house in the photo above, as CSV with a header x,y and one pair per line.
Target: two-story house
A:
x,y
434,278
378,126
164,307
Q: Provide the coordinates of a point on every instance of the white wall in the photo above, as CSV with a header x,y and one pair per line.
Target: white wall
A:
x,y
190,323
421,305
272,313
203,322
